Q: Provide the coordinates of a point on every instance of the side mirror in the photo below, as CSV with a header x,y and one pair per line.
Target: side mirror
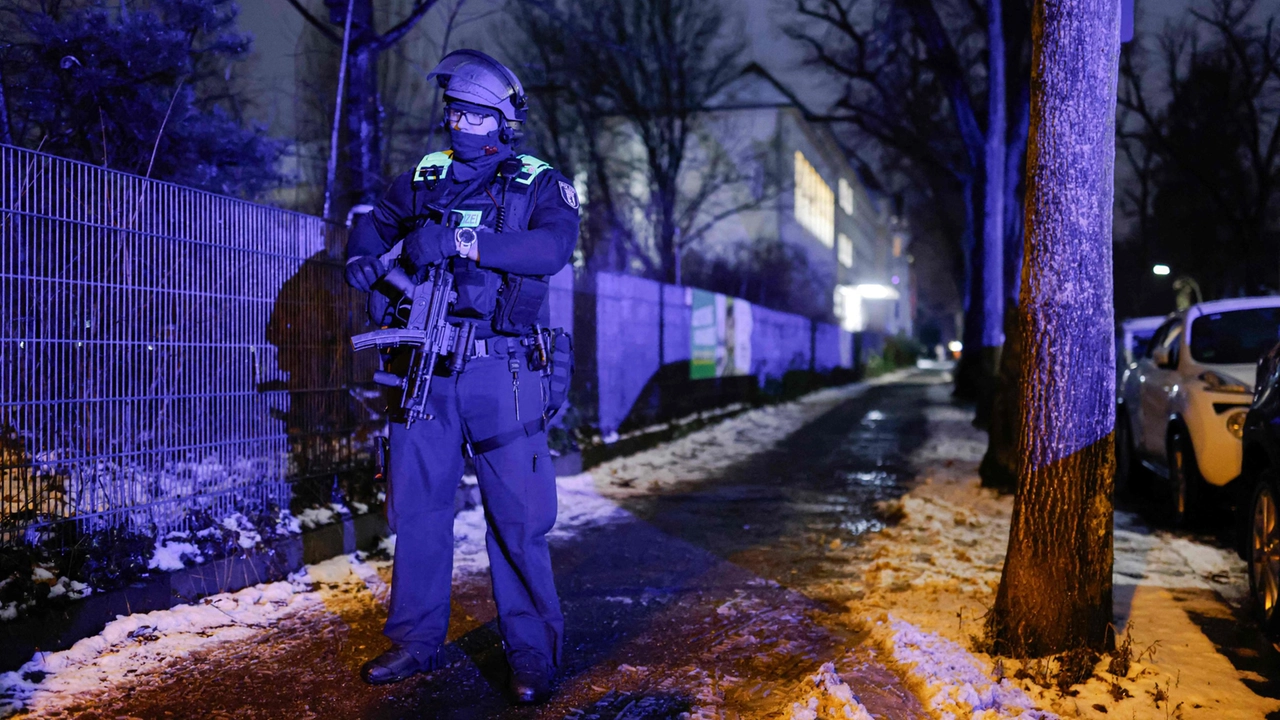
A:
x,y
1161,357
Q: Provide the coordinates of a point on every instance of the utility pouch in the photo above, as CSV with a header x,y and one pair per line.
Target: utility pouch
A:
x,y
477,290
560,372
519,300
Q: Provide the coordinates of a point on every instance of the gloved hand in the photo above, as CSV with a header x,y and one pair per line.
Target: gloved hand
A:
x,y
364,271
429,245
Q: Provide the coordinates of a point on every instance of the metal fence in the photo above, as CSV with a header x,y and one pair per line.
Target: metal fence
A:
x,y
165,353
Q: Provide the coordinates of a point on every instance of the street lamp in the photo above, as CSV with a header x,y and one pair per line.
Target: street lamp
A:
x,y
1160,269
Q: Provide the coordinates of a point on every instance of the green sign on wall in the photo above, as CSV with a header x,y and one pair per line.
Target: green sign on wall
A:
x,y
703,335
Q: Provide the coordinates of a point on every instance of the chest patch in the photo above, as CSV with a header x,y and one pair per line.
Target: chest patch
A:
x,y
469,218
569,194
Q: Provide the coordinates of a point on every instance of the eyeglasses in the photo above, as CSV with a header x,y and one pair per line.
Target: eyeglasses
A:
x,y
455,116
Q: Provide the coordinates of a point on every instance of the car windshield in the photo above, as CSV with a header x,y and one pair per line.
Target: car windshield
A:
x,y
1235,337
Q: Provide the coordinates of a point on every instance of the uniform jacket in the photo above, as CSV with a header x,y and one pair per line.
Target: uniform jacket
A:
x,y
540,228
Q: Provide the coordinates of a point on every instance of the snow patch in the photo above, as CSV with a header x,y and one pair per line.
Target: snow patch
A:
x,y
832,698
170,555
146,641
955,684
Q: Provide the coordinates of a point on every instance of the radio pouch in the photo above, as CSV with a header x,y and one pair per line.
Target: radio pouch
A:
x,y
519,300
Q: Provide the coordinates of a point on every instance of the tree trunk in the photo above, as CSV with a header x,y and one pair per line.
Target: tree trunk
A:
x,y
1000,463
994,172
1055,592
969,376
993,166
364,117
666,229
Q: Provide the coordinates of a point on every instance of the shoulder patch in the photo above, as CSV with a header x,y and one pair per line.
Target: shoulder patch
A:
x,y
442,160
569,194
531,168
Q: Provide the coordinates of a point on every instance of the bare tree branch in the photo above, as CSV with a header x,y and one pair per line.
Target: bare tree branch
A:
x,y
392,36
315,22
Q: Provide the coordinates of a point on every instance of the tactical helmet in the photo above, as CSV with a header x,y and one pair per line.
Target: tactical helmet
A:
x,y
472,76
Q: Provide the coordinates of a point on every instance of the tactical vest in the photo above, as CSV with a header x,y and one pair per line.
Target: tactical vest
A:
x,y
511,303
434,168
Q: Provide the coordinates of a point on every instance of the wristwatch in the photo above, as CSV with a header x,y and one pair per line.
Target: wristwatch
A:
x,y
464,238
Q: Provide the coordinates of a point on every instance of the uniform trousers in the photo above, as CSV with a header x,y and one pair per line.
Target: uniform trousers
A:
x,y
517,488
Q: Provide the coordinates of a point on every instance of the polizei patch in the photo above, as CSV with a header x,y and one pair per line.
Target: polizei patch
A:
x,y
569,194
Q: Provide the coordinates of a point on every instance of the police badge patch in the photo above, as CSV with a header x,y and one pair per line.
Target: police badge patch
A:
x,y
569,194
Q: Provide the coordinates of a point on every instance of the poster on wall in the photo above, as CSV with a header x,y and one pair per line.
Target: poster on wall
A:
x,y
702,334
719,334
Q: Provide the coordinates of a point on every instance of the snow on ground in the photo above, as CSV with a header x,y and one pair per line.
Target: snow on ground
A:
x,y
832,698
135,643
712,449
142,642
950,681
931,577
922,591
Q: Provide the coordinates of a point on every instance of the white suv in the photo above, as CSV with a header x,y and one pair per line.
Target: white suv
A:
x,y
1182,403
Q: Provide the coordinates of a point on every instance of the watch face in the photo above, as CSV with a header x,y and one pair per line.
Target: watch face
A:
x,y
466,236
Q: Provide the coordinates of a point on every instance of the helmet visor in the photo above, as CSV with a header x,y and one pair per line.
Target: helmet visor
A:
x,y
474,76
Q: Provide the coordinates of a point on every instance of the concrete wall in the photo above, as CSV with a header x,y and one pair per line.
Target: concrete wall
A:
x,y
628,334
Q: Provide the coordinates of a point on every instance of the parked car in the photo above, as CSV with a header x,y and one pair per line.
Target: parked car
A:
x,y
1182,405
1258,524
1132,337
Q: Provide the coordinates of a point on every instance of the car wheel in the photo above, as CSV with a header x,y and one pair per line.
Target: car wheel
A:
x,y
1264,554
1125,470
1184,480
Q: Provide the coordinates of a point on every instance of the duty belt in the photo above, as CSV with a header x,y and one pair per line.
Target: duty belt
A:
x,y
496,346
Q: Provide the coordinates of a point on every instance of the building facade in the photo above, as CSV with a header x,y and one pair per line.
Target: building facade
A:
x,y
852,244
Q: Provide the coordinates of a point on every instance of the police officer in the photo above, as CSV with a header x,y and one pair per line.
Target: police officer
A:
x,y
502,223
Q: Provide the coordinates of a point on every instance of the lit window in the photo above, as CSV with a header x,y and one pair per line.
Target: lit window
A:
x,y
846,250
897,246
815,203
846,197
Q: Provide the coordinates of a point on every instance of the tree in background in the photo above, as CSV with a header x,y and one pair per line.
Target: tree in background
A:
x,y
362,100
1200,126
146,87
1055,591
622,90
915,71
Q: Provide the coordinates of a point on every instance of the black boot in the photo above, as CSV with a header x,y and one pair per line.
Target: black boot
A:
x,y
531,679
396,664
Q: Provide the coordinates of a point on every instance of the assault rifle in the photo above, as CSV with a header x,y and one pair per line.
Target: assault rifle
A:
x,y
422,313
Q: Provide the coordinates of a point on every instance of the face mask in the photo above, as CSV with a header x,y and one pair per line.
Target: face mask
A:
x,y
468,147
472,156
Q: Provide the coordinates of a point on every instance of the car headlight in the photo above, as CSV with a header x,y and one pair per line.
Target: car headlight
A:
x,y
1218,382
1235,423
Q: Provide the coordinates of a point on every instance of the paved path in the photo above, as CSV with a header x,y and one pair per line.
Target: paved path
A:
x,y
695,604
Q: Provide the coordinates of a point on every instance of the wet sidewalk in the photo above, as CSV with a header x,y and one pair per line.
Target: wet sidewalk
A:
x,y
695,600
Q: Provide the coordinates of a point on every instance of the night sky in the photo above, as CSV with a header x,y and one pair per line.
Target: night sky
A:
x,y
276,28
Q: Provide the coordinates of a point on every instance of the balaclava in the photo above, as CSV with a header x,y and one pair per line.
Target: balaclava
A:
x,y
474,155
